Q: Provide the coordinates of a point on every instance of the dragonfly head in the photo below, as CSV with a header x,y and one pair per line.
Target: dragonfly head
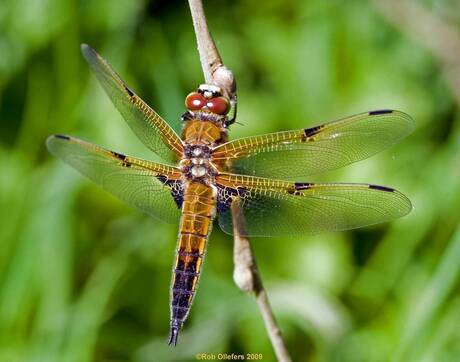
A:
x,y
208,102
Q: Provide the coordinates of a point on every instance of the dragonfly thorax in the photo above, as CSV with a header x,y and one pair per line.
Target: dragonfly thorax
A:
x,y
196,162
198,171
197,151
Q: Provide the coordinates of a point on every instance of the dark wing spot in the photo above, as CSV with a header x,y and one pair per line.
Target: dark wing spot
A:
x,y
295,189
130,92
121,157
178,195
381,111
308,132
118,155
177,189
381,188
225,197
62,137
162,178
302,185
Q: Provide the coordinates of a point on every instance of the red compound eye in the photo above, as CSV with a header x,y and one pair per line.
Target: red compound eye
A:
x,y
218,105
195,101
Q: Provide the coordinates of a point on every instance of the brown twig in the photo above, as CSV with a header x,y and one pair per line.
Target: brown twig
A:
x,y
247,277
214,70
246,274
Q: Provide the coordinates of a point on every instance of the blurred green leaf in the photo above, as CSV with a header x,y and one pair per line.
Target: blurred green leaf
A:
x,y
83,277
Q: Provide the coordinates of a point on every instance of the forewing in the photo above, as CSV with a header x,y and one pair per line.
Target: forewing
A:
x,y
148,126
295,154
153,188
279,208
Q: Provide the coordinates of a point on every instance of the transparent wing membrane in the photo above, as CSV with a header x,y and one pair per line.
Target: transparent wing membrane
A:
x,y
151,187
270,207
148,126
278,208
295,154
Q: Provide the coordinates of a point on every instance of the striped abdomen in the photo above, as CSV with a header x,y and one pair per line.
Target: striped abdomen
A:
x,y
198,210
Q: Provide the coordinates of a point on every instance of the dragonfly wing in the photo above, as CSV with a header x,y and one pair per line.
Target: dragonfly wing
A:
x,y
153,188
296,154
148,126
278,208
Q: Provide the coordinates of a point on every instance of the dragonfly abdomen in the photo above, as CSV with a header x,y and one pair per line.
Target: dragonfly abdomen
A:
x,y
198,211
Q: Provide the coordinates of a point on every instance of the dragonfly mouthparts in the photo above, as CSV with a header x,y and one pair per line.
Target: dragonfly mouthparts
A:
x,y
173,335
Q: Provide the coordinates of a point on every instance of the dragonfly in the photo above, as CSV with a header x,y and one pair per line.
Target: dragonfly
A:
x,y
204,174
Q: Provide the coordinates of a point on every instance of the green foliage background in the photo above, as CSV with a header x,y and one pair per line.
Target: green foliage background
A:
x,y
84,277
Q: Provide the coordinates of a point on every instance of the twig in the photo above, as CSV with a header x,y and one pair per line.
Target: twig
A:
x,y
214,70
246,274
441,38
247,277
